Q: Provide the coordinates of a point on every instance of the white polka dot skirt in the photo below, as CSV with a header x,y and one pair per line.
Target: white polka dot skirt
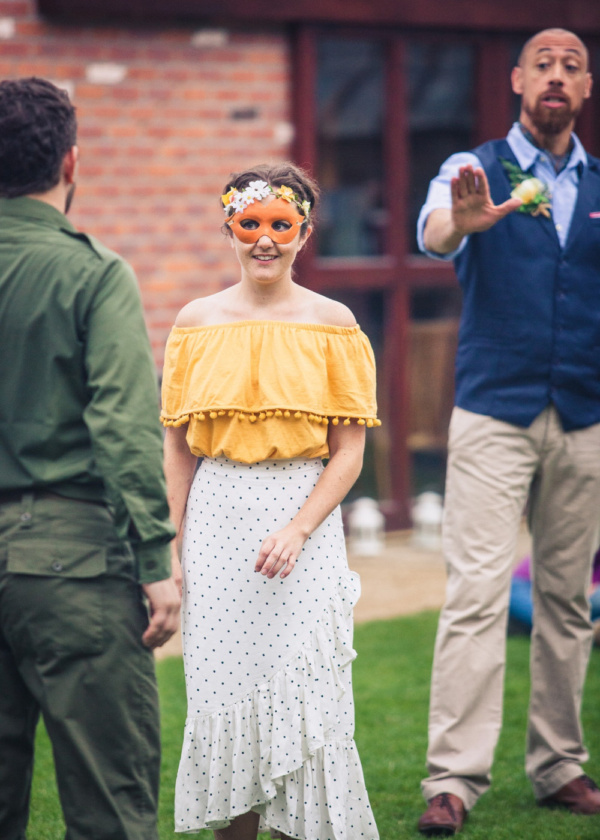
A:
x,y
270,722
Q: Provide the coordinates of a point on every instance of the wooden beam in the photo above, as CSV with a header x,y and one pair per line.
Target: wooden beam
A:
x,y
514,15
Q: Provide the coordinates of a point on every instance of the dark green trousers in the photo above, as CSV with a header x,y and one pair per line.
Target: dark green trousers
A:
x,y
71,621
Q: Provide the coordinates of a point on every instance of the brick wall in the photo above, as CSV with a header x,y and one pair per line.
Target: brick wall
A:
x,y
164,117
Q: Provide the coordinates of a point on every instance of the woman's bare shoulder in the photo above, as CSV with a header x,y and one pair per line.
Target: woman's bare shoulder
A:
x,y
332,312
201,311
190,315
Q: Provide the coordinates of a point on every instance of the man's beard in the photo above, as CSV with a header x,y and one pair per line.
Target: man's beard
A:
x,y
69,197
549,121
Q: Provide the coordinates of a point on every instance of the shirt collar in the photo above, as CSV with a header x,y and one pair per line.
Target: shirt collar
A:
x,y
32,208
527,154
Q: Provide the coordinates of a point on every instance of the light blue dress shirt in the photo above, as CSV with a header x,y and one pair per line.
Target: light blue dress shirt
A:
x,y
563,186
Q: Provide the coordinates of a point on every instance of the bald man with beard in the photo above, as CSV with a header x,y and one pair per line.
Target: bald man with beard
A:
x,y
525,430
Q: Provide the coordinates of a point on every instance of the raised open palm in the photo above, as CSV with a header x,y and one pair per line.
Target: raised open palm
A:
x,y
473,210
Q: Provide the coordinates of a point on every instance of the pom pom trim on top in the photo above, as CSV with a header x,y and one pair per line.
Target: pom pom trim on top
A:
x,y
267,414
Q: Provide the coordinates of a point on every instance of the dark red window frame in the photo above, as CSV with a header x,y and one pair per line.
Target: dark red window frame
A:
x,y
398,273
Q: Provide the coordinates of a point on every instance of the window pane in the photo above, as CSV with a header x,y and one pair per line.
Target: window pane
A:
x,y
441,113
350,105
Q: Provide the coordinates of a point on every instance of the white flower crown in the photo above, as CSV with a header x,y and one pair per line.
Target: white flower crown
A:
x,y
257,190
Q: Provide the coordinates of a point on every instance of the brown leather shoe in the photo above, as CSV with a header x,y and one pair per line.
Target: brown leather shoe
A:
x,y
581,796
445,815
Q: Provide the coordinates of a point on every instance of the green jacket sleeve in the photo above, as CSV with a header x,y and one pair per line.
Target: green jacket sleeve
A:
x,y
122,417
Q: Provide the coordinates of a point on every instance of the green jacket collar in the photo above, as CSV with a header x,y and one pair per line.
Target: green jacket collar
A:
x,y
32,208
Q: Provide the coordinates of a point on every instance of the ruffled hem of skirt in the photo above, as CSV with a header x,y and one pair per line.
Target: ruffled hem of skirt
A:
x,y
281,750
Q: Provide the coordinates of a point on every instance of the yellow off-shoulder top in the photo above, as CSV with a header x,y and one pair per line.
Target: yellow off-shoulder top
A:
x,y
253,390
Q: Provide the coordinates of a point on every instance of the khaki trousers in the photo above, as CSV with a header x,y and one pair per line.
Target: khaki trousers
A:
x,y
493,468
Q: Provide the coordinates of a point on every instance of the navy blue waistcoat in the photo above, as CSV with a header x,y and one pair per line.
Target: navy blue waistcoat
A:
x,y
530,325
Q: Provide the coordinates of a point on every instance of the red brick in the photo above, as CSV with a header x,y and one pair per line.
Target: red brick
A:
x,y
157,148
29,28
86,51
107,114
121,93
14,8
88,91
88,130
18,49
122,131
139,151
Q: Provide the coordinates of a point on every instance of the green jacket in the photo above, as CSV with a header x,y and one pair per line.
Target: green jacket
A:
x,y
78,390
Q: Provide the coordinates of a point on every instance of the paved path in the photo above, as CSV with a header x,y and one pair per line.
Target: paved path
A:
x,y
403,579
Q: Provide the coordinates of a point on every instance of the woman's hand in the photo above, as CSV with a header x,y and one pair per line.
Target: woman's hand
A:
x,y
280,551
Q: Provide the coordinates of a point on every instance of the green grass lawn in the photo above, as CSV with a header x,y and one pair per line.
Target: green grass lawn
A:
x,y
391,682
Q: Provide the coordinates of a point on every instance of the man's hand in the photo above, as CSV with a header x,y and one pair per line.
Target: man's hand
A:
x,y
472,208
472,212
165,601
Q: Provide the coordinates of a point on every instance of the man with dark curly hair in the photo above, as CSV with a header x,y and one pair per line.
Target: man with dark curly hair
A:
x,y
84,527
